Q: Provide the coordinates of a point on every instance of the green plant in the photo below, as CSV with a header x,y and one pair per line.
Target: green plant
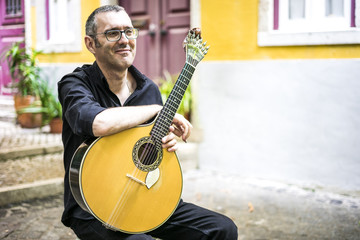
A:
x,y
54,109
25,73
50,104
166,84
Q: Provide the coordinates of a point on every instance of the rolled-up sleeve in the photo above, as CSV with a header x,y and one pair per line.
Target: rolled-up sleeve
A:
x,y
79,105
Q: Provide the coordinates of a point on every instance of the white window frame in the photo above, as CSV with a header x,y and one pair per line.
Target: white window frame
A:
x,y
304,32
64,26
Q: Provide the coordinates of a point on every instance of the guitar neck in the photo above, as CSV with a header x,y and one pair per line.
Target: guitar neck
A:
x,y
166,115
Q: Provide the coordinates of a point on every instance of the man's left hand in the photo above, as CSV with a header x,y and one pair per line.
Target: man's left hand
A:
x,y
182,128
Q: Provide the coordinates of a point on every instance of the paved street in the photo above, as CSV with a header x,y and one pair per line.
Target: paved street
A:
x,y
37,219
260,208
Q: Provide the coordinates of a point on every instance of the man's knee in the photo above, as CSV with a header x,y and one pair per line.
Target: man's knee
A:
x,y
227,229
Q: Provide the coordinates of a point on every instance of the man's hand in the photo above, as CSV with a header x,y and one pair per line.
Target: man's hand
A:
x,y
181,128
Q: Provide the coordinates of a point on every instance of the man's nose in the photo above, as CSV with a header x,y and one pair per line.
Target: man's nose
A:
x,y
123,38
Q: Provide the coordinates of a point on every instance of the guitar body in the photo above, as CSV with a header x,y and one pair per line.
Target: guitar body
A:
x,y
106,182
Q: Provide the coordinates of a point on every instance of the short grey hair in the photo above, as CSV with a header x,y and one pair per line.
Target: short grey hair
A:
x,y
91,26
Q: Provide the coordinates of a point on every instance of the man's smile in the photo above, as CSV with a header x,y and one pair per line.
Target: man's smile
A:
x,y
123,51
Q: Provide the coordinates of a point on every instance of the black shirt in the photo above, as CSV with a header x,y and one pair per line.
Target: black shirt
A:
x,y
83,94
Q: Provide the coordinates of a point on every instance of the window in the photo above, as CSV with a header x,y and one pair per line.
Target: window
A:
x,y
11,12
308,22
59,26
13,8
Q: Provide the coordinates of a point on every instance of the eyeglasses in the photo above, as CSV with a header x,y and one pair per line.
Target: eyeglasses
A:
x,y
115,35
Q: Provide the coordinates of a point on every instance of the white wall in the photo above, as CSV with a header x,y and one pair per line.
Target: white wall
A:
x,y
54,72
292,120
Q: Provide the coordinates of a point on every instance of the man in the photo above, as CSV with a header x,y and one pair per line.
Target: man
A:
x,y
107,97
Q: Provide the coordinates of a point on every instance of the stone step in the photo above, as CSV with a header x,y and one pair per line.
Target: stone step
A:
x,y
16,142
32,173
33,190
31,169
7,109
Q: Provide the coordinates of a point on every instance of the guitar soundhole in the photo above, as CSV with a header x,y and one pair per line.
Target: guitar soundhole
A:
x,y
146,156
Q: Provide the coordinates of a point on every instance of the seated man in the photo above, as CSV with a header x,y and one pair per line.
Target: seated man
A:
x,y
110,96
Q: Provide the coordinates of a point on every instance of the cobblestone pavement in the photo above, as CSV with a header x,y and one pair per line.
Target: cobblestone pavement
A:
x,y
261,209
13,136
37,219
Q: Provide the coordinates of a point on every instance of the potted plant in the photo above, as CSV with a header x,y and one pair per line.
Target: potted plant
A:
x,y
166,84
25,75
51,108
54,111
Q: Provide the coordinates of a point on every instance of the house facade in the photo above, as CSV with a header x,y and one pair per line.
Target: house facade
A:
x,y
277,96
57,28
279,90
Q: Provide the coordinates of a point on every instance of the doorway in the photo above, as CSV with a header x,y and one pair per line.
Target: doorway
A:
x,y
163,26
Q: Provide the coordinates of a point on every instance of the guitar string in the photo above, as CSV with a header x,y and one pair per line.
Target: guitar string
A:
x,y
122,200
155,139
148,154
114,215
123,197
145,158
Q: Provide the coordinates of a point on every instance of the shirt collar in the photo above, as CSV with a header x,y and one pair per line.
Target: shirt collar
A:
x,y
139,77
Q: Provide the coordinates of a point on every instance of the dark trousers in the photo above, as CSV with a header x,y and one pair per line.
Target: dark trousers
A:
x,y
188,222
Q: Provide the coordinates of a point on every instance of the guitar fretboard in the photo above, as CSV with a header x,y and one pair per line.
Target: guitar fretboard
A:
x,y
166,116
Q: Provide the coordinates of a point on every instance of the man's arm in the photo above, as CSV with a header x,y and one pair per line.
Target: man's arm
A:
x,y
117,119
114,120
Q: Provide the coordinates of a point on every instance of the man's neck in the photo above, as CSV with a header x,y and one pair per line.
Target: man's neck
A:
x,y
121,82
116,79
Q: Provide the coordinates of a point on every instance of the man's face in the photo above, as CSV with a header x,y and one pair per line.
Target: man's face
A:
x,y
120,54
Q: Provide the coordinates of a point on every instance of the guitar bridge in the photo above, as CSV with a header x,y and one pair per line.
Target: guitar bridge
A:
x,y
151,178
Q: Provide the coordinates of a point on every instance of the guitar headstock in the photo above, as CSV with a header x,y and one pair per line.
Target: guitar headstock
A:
x,y
195,48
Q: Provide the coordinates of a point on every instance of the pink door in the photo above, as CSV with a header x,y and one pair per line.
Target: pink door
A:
x,y
12,29
163,26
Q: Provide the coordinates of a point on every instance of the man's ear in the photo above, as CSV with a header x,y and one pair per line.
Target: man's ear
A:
x,y
90,44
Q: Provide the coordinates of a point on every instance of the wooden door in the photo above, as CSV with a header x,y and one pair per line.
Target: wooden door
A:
x,y
12,29
175,24
163,26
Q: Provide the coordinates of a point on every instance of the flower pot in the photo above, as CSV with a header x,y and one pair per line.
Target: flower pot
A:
x,y
56,125
27,120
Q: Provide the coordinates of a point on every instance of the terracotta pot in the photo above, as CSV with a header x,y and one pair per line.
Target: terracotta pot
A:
x,y
23,101
27,120
56,125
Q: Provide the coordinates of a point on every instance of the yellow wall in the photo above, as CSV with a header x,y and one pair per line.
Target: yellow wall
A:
x,y
81,57
230,27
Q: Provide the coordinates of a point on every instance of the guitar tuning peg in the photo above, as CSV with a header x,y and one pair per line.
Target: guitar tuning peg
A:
x,y
204,43
201,40
207,48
